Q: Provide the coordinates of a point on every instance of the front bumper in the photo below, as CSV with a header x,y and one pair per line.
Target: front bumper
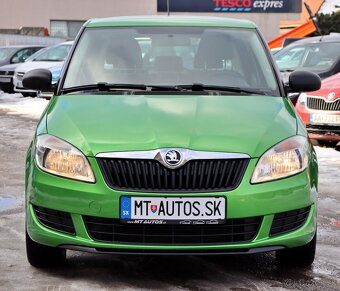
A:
x,y
324,132
18,87
99,200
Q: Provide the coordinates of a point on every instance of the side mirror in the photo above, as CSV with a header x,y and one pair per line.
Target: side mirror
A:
x,y
15,60
38,80
303,81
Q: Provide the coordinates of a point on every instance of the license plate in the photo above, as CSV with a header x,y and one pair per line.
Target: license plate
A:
x,y
5,80
324,119
172,210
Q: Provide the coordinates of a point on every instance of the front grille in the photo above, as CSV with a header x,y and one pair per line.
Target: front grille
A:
x,y
54,219
6,73
113,231
289,221
323,129
322,104
152,176
20,76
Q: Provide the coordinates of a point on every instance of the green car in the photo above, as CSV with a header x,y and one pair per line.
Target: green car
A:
x,y
170,135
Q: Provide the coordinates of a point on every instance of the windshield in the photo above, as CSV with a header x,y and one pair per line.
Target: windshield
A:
x,y
54,54
35,55
5,52
171,56
316,57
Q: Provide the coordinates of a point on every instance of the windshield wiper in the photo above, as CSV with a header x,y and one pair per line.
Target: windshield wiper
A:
x,y
287,71
202,87
107,87
47,60
104,87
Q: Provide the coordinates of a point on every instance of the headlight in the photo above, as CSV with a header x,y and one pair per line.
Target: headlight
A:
x,y
58,157
285,159
302,99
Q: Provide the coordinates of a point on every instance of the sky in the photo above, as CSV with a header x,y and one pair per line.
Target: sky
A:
x,y
329,6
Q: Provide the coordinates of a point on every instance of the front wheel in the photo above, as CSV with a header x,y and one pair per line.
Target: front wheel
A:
x,y
327,144
299,257
41,256
24,94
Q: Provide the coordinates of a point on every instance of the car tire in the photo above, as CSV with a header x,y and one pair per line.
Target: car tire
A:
x,y
29,94
41,256
298,257
328,144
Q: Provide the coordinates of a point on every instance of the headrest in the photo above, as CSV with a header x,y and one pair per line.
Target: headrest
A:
x,y
213,48
168,64
125,53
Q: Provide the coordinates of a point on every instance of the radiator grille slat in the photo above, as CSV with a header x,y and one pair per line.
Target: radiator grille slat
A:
x,y
321,104
194,176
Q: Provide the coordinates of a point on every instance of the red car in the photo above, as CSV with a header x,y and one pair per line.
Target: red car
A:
x,y
320,111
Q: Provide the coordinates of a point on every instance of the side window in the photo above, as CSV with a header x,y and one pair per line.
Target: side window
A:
x,y
35,49
292,58
21,55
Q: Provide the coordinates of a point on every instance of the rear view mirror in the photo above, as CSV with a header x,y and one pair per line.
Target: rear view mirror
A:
x,y
303,81
38,80
15,60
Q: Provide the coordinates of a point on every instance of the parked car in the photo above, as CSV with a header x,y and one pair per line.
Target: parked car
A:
x,y
50,58
17,53
320,111
7,73
47,94
129,151
320,54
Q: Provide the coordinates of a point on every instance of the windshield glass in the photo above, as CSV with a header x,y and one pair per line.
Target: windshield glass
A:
x,y
53,54
316,57
170,56
35,55
5,52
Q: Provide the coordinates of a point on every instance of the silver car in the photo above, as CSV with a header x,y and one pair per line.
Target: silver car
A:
x,y
50,58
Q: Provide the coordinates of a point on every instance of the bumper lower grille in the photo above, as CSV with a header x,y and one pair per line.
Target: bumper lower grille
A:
x,y
323,129
113,231
152,176
289,221
322,104
54,219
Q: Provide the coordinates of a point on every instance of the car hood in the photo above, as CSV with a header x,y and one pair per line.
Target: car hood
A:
x,y
11,67
25,67
105,123
330,88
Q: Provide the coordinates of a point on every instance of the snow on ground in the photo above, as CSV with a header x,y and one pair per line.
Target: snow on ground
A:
x,y
33,107
26,106
328,154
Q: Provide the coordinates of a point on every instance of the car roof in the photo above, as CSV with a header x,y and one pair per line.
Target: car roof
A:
x,y
170,21
333,37
70,42
22,46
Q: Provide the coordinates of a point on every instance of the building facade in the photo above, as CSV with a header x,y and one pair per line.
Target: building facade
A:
x,y
63,18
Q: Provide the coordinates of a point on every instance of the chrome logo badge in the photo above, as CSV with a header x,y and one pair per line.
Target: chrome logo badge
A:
x,y
331,96
173,158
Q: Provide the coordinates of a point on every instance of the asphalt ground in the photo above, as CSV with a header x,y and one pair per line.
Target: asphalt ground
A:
x,y
85,271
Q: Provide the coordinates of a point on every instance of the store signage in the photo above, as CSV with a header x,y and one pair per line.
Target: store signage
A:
x,y
248,6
